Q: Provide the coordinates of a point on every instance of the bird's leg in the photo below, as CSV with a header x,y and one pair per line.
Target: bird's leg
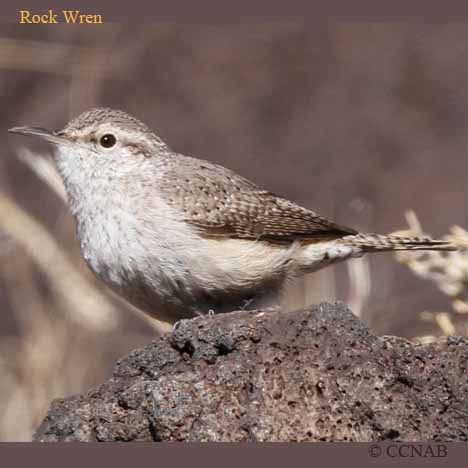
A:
x,y
247,303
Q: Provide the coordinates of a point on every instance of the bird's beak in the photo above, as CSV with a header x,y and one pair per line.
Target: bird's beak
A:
x,y
47,135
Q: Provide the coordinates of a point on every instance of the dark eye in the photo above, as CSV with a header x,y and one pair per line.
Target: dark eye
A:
x,y
108,140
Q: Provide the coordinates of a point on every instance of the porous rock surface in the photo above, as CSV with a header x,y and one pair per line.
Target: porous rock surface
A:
x,y
311,375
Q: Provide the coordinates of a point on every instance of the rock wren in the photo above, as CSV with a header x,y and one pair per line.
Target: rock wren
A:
x,y
179,236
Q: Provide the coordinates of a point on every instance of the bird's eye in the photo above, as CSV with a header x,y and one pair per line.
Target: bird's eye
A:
x,y
108,140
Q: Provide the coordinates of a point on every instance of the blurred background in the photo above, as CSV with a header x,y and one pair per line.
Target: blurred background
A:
x,y
360,122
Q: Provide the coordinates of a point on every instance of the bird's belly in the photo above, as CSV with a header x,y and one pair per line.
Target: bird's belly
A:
x,y
225,273
173,272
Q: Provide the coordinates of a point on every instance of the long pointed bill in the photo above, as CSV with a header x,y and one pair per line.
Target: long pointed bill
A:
x,y
42,133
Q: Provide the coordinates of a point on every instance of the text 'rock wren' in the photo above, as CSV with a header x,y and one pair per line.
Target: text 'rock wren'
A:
x,y
178,236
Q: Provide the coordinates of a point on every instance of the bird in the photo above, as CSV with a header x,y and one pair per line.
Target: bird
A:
x,y
178,236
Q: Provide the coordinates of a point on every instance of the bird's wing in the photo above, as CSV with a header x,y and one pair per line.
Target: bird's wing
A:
x,y
221,203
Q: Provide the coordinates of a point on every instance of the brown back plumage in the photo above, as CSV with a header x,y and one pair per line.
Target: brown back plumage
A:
x,y
221,203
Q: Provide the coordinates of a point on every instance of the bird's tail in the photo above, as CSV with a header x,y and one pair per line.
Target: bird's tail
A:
x,y
379,243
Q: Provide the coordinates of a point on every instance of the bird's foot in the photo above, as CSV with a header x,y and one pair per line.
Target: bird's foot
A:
x,y
178,324
203,314
197,314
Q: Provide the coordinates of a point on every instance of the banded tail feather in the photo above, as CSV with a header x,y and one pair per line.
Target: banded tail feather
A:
x,y
381,243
